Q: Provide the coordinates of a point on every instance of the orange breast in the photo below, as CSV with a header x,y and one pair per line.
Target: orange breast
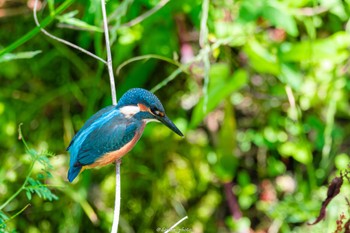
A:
x,y
115,155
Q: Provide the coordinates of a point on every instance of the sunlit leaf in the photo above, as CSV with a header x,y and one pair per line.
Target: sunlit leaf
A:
x,y
227,162
70,20
29,195
298,150
223,88
250,10
291,76
261,59
280,18
333,48
275,167
274,12
342,161
20,55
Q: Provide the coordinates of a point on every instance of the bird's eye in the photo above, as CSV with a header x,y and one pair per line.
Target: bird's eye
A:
x,y
156,112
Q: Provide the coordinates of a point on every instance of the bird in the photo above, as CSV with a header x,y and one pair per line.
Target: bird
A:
x,y
114,130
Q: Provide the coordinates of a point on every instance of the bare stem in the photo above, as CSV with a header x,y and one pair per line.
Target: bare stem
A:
x,y
114,100
204,44
147,57
109,55
117,199
62,40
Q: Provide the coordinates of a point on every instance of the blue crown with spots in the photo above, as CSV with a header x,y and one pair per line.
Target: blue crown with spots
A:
x,y
140,96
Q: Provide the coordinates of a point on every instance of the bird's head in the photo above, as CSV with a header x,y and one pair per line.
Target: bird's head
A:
x,y
143,105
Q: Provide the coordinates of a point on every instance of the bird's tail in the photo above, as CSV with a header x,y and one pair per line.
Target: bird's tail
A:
x,y
73,172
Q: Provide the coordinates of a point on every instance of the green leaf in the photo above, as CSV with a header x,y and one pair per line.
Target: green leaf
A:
x,y
220,87
261,59
227,162
70,20
29,195
51,4
290,75
265,62
21,55
68,15
333,48
227,133
342,161
272,11
280,18
250,10
3,219
275,167
225,167
40,189
298,150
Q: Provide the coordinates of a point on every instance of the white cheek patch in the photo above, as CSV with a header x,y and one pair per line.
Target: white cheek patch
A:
x,y
129,111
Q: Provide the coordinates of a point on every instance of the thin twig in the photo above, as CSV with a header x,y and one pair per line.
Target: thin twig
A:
x,y
120,11
178,222
117,199
147,57
183,68
232,201
145,15
62,40
203,37
114,100
290,96
167,80
15,215
109,55
203,42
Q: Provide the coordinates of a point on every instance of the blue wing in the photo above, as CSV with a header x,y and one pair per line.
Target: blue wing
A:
x,y
111,136
91,120
108,130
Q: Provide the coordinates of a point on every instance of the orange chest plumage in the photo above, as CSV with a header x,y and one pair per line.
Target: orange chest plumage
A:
x,y
113,156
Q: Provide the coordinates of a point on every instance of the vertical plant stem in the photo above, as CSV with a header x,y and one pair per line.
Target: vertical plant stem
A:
x,y
109,55
232,201
114,101
117,199
13,196
204,44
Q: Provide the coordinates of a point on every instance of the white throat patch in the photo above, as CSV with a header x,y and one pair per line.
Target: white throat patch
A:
x,y
129,111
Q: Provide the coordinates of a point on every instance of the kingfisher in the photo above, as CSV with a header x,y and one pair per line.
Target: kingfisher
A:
x,y
114,130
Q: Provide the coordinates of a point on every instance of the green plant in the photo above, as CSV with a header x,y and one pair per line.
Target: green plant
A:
x,y
30,185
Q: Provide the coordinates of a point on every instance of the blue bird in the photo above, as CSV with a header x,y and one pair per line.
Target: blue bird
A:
x,y
113,131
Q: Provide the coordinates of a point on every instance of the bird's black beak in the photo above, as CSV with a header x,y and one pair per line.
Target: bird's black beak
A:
x,y
166,121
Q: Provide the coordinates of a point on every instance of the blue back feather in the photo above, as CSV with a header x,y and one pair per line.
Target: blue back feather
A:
x,y
90,121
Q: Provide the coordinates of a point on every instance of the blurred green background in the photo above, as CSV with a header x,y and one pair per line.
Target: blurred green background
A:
x,y
259,88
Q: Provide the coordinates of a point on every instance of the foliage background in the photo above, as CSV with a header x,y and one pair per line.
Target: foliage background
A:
x,y
268,133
